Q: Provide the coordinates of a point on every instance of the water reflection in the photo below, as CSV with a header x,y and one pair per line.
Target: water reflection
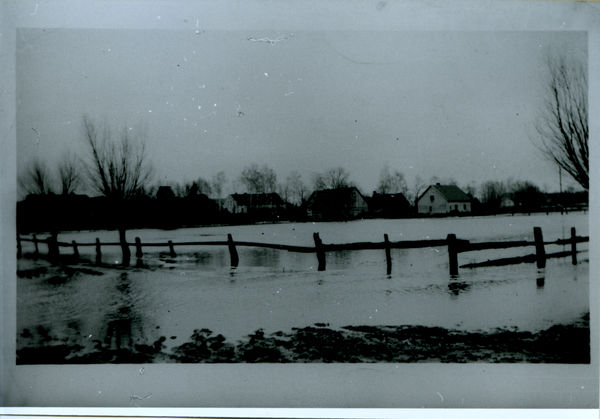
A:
x,y
260,257
340,257
456,288
123,323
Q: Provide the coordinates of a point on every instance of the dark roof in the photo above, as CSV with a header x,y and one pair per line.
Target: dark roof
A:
x,y
379,201
450,192
258,199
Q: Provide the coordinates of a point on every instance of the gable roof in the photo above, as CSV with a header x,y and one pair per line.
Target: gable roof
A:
x,y
257,199
451,193
380,200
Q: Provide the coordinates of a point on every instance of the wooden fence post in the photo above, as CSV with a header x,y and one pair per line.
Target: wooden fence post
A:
x,y
388,256
98,252
53,250
171,250
320,252
75,250
19,248
138,248
35,243
573,246
124,247
232,252
539,248
452,254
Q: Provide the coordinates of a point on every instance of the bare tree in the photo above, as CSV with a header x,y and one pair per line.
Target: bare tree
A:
x,y
37,179
294,189
492,193
418,187
217,183
524,193
562,125
201,187
258,179
391,182
470,188
335,178
197,187
117,168
69,174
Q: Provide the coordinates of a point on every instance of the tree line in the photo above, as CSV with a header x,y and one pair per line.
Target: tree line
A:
x,y
116,165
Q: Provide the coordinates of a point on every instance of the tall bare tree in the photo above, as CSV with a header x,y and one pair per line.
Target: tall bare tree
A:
x,y
418,187
258,179
217,183
492,193
335,178
36,179
390,183
294,190
117,168
69,174
562,125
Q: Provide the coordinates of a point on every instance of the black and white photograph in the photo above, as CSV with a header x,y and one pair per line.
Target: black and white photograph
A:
x,y
250,197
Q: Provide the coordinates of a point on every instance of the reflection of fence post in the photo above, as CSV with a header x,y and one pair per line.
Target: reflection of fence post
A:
x,y
232,252
37,248
320,252
19,248
388,256
452,254
540,253
98,252
573,246
171,250
75,250
138,248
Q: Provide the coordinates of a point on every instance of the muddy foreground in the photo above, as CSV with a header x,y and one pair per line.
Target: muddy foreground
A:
x,y
563,344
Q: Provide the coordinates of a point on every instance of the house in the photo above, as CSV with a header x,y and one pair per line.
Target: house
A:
x,y
165,192
336,204
249,203
388,205
507,203
442,199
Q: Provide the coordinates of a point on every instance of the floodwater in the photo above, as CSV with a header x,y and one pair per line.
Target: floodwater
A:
x,y
278,290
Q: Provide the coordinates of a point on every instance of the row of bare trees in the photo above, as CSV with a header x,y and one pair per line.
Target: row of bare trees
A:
x,y
38,179
116,165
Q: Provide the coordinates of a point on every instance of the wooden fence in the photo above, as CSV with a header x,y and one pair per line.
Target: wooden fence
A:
x,y
455,246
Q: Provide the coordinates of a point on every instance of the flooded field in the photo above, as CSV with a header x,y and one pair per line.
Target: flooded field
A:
x,y
170,299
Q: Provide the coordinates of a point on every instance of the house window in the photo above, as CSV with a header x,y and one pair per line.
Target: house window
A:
x,y
432,198
465,207
456,207
430,209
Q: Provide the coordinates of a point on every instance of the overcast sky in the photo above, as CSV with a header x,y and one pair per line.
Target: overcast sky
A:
x,y
458,105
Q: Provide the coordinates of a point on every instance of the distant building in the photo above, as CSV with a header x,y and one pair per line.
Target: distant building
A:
x,y
248,203
507,203
336,204
165,192
442,199
388,205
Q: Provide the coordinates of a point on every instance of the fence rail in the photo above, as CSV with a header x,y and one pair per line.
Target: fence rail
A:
x,y
455,247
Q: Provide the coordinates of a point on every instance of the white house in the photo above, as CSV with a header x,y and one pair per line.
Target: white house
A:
x,y
442,199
